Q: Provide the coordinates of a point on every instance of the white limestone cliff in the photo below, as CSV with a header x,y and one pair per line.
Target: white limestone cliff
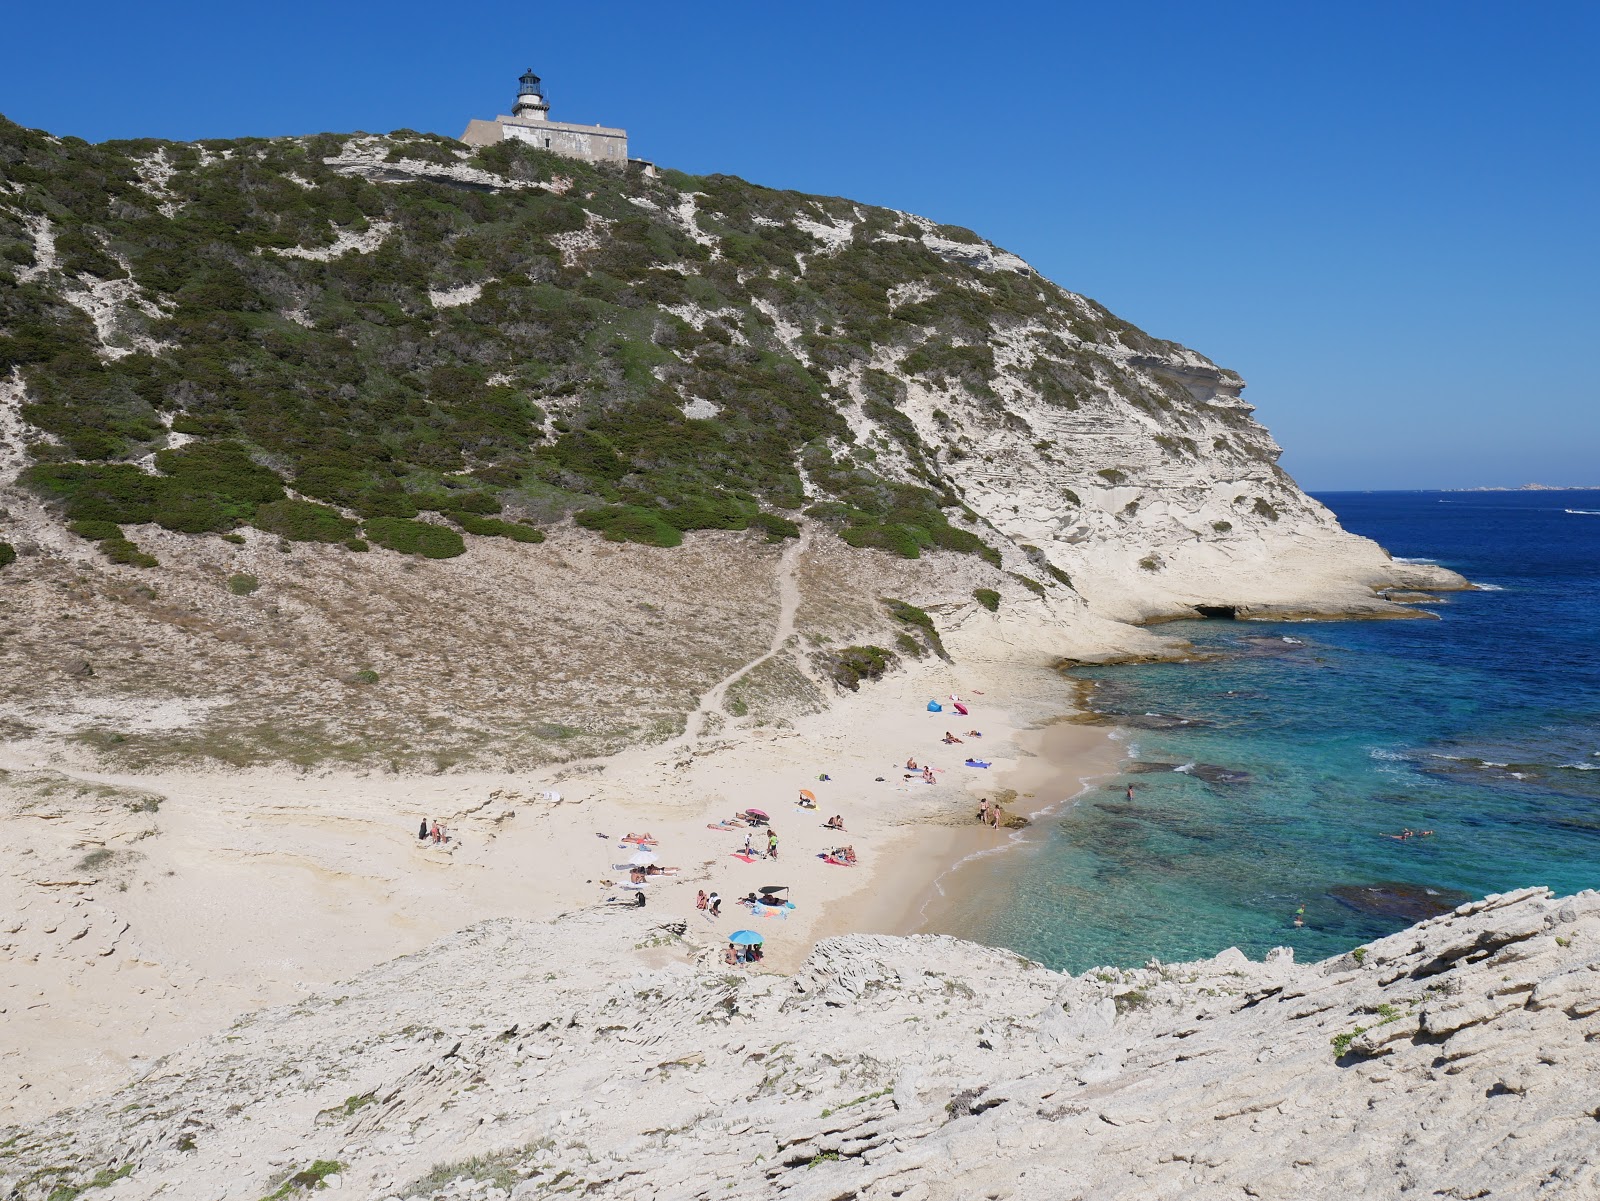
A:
x,y
602,1055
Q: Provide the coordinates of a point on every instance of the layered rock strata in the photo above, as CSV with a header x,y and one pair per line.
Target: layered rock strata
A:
x,y
1454,1059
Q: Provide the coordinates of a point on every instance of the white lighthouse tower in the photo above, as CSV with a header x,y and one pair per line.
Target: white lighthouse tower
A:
x,y
531,104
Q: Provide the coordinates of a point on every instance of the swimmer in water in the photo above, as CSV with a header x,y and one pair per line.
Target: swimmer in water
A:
x,y
1299,917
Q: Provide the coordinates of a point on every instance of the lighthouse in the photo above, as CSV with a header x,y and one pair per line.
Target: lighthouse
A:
x,y
531,104
530,122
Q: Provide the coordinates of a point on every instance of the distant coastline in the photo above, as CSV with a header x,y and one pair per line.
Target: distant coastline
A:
x,y
1530,488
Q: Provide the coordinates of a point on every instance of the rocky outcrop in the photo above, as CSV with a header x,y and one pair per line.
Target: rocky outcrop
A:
x,y
1454,1059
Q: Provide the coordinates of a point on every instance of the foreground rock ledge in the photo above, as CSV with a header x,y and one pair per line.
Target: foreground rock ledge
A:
x,y
602,1055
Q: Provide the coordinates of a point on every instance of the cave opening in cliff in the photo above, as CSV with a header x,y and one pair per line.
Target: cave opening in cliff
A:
x,y
1217,612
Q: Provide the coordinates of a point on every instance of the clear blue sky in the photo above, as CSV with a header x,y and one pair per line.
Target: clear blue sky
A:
x,y
1383,215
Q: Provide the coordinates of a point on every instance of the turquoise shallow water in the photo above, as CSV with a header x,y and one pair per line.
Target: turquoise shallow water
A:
x,y
1304,744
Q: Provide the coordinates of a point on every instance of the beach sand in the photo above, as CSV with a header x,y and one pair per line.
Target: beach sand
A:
x,y
259,888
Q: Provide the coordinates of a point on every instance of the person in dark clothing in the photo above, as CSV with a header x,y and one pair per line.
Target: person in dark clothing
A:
x,y
422,831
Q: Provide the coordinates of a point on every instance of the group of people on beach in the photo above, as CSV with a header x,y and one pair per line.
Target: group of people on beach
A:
x,y
990,814
432,832
771,852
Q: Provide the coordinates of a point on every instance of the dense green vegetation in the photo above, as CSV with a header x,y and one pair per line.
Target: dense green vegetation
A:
x,y
333,401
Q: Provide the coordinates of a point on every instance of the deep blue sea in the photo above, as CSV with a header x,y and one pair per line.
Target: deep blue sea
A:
x,y
1269,778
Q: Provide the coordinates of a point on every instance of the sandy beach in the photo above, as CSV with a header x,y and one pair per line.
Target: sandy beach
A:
x,y
259,888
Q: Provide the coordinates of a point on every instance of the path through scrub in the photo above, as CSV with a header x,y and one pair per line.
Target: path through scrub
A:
x,y
788,605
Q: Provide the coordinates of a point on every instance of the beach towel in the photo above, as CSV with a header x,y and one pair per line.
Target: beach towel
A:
x,y
742,855
976,763
935,707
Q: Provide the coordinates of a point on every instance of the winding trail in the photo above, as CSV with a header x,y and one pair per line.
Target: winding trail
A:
x,y
788,606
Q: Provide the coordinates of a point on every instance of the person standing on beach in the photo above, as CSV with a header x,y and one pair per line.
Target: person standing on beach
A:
x,y
1130,792
772,844
994,817
422,833
983,810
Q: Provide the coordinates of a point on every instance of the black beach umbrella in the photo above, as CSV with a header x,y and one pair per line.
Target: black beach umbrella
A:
x,y
772,889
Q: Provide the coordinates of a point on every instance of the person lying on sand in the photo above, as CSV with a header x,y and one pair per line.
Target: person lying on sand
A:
x,y
836,822
974,733
950,738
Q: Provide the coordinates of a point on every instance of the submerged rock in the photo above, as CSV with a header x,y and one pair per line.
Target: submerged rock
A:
x,y
1394,901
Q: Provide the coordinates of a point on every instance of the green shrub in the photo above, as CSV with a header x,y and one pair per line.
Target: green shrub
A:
x,y
628,523
1030,584
776,527
909,615
8,554
303,521
988,598
493,527
356,544
243,584
416,537
120,550
851,664
95,531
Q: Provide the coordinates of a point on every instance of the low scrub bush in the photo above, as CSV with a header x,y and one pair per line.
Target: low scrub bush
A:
x,y
988,598
909,615
95,531
776,527
120,550
243,584
303,521
416,537
493,527
629,523
8,554
851,664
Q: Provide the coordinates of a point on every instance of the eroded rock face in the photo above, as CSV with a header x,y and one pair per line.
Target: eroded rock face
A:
x,y
610,1058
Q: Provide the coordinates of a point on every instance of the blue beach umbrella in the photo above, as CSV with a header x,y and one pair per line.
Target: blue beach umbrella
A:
x,y
745,938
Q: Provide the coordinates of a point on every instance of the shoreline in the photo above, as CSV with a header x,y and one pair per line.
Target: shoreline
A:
x,y
257,889
1065,762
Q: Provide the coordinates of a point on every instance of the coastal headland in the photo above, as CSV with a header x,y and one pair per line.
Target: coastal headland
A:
x,y
353,484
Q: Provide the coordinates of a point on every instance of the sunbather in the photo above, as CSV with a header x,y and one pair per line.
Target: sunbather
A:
x,y
950,738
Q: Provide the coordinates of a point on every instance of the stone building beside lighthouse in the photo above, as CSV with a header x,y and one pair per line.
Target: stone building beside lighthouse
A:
x,y
530,122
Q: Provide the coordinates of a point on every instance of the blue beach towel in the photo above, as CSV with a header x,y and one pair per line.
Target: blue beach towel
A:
x,y
976,763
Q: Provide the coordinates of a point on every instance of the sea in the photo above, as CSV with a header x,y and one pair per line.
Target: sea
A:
x,y
1271,778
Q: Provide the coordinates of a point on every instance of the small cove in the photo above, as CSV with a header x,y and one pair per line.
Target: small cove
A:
x,y
1268,776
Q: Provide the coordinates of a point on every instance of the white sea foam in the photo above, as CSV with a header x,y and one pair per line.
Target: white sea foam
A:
x,y
1388,756
1488,588
1582,766
1293,641
1185,768
1584,512
1405,559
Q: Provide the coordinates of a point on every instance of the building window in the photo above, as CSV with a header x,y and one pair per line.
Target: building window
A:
x,y
547,143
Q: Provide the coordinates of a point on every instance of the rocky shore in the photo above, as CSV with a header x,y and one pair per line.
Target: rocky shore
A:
x,y
607,1055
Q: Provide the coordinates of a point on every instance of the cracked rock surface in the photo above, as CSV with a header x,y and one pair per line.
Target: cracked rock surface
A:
x,y
598,1056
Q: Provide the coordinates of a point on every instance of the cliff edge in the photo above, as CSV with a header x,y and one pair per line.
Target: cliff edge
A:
x,y
602,1055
